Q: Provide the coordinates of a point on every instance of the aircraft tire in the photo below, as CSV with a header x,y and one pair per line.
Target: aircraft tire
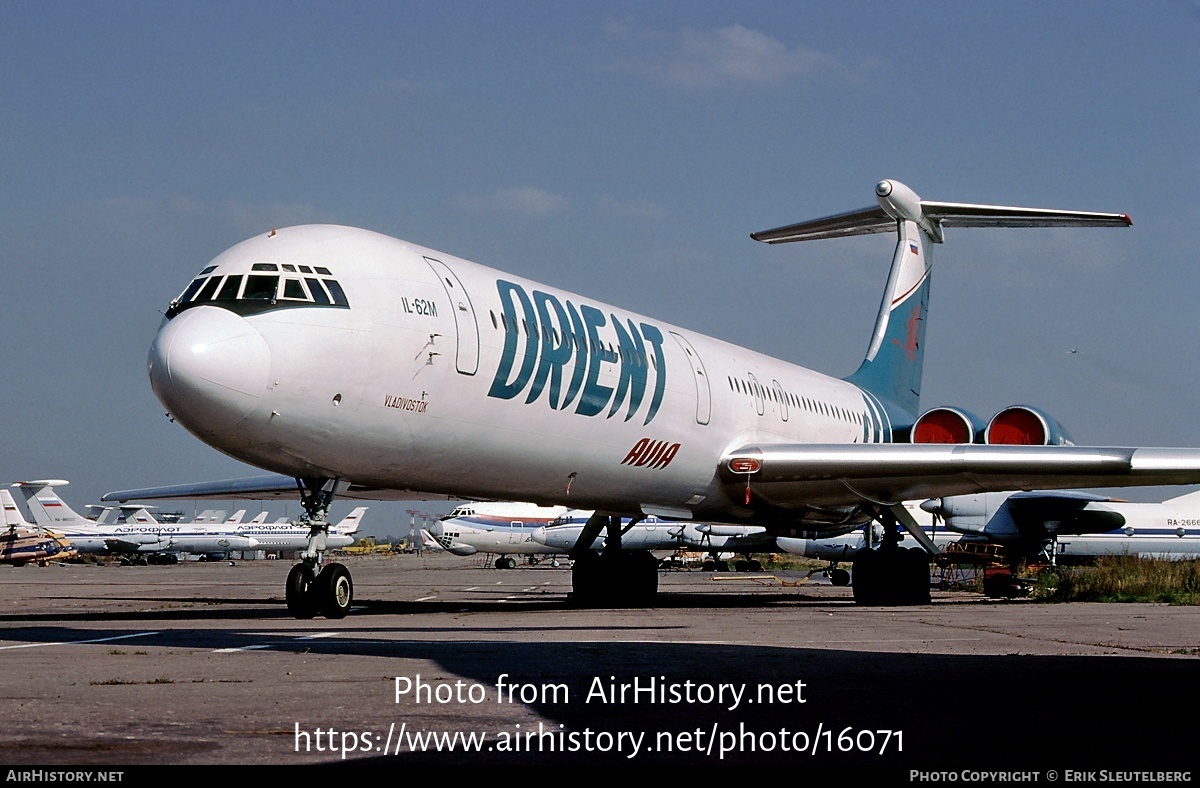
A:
x,y
915,576
839,577
891,576
587,581
641,577
868,579
298,591
626,579
335,591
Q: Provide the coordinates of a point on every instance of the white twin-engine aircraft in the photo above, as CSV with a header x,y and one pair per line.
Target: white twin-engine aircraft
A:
x,y
368,367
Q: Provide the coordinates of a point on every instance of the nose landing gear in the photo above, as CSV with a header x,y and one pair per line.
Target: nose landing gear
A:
x,y
313,587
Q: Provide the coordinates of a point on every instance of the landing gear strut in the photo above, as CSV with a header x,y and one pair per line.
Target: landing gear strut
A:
x,y
891,575
312,586
613,577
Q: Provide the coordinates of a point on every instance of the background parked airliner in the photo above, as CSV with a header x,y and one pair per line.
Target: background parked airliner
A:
x,y
1071,526
1054,526
653,533
284,535
507,528
362,365
500,528
138,534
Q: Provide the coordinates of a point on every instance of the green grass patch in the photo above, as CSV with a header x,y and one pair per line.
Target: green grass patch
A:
x,y
1123,578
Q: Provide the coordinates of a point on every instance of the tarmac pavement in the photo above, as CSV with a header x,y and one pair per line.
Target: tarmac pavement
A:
x,y
444,661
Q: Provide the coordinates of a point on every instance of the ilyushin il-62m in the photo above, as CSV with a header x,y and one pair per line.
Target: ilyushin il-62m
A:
x,y
362,366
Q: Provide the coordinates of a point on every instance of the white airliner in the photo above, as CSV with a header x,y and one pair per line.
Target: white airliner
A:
x,y
505,529
651,533
500,528
1065,526
843,548
140,533
1073,526
361,365
284,535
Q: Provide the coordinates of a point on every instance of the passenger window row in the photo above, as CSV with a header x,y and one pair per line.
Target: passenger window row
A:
x,y
753,388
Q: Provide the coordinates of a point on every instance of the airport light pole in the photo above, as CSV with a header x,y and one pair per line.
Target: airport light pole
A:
x,y
415,539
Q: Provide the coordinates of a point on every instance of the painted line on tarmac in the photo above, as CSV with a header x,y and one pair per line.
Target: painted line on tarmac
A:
x,y
260,646
78,642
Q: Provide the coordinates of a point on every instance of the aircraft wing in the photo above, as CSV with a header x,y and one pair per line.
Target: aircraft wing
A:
x,y
257,488
795,475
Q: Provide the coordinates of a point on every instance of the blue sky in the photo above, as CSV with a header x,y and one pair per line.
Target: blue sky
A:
x,y
620,150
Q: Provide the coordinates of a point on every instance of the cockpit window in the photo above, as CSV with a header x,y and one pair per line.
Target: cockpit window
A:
x,y
294,289
318,291
210,290
191,290
229,290
208,270
335,290
262,292
261,288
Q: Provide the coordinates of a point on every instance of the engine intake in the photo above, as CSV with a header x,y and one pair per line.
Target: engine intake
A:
x,y
946,425
1022,425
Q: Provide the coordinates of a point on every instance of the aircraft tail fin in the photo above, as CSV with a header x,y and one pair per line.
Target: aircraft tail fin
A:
x,y
103,515
891,370
350,523
138,515
430,542
12,515
48,510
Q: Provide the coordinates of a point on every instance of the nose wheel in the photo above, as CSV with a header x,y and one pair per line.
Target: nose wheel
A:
x,y
313,587
328,592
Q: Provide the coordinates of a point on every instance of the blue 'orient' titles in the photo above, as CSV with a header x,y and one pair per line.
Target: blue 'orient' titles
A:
x,y
562,338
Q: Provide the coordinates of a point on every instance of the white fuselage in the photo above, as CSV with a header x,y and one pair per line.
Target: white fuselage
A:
x,y
496,528
1167,529
159,538
289,536
437,371
655,534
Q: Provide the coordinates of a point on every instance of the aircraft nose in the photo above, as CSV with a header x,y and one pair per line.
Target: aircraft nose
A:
x,y
209,368
539,534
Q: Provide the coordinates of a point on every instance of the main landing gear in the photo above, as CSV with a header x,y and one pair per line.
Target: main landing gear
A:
x,y
891,574
313,586
613,577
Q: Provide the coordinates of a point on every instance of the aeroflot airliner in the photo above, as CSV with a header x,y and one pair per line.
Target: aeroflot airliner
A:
x,y
140,533
365,366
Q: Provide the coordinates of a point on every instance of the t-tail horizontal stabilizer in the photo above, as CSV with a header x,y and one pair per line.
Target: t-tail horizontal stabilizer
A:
x,y
890,374
897,202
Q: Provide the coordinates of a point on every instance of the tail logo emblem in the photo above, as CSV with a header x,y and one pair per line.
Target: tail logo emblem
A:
x,y
910,344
